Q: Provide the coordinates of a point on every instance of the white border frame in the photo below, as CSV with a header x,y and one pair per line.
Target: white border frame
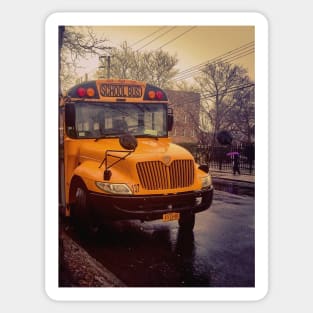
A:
x,y
51,156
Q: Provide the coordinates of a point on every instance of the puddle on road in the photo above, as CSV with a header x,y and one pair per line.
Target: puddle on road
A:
x,y
236,188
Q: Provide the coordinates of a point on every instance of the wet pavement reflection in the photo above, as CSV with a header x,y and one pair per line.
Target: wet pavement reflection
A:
x,y
218,253
236,188
146,255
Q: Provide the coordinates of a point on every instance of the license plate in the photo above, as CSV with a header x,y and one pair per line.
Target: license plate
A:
x,y
173,216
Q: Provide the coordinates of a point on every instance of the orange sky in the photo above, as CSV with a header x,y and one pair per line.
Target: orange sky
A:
x,y
192,46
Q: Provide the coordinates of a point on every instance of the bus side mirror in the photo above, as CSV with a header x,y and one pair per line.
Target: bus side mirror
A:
x,y
70,119
224,138
170,119
128,142
204,168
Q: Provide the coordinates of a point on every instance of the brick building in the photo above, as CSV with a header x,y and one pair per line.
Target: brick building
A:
x,y
186,106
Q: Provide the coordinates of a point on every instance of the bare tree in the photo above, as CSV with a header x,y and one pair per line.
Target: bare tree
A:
x,y
241,118
76,43
217,84
155,67
162,68
184,85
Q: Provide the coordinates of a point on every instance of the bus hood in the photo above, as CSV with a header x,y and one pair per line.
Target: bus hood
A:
x,y
147,150
157,165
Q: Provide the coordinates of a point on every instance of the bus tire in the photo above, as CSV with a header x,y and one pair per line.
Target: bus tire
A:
x,y
81,210
186,221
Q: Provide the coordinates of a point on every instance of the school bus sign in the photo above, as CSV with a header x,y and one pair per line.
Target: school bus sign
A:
x,y
121,91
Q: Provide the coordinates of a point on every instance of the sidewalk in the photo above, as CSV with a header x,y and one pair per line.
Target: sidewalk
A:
x,y
231,176
79,269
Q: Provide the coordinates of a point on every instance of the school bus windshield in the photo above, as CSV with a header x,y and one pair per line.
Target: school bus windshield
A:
x,y
96,120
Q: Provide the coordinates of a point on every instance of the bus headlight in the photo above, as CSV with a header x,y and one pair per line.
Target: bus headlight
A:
x,y
206,181
121,189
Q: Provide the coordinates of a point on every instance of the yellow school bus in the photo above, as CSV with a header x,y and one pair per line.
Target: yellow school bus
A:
x,y
119,162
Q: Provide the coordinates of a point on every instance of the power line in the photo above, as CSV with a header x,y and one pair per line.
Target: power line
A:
x,y
228,56
245,46
230,59
207,95
156,38
202,66
144,38
230,90
170,41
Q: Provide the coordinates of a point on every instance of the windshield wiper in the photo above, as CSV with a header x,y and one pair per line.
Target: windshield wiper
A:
x,y
109,135
115,134
147,136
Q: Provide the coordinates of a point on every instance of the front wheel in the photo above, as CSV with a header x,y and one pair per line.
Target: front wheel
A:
x,y
82,211
186,221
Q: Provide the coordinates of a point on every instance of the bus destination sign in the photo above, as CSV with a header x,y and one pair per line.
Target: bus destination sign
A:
x,y
121,91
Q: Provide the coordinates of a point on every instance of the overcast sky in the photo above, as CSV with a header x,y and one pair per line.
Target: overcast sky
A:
x,y
193,45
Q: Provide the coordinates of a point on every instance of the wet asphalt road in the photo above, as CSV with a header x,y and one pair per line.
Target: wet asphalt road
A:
x,y
219,252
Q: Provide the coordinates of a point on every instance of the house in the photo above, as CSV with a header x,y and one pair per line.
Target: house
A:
x,y
186,107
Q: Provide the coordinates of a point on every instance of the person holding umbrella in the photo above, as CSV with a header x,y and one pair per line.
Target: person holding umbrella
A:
x,y
235,156
236,164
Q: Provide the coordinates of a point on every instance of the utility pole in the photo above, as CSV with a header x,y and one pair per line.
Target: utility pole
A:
x,y
107,59
109,65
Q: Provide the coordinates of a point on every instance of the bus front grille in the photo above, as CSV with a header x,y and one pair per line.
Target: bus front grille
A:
x,y
155,175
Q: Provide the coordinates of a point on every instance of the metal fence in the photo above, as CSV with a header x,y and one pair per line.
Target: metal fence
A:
x,y
219,157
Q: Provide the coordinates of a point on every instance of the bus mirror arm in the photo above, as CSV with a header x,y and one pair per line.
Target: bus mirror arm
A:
x,y
129,143
107,173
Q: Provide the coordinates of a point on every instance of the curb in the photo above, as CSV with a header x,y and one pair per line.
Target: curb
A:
x,y
79,269
233,179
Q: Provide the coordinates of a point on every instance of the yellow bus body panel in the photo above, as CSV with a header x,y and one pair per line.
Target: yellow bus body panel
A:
x,y
85,156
